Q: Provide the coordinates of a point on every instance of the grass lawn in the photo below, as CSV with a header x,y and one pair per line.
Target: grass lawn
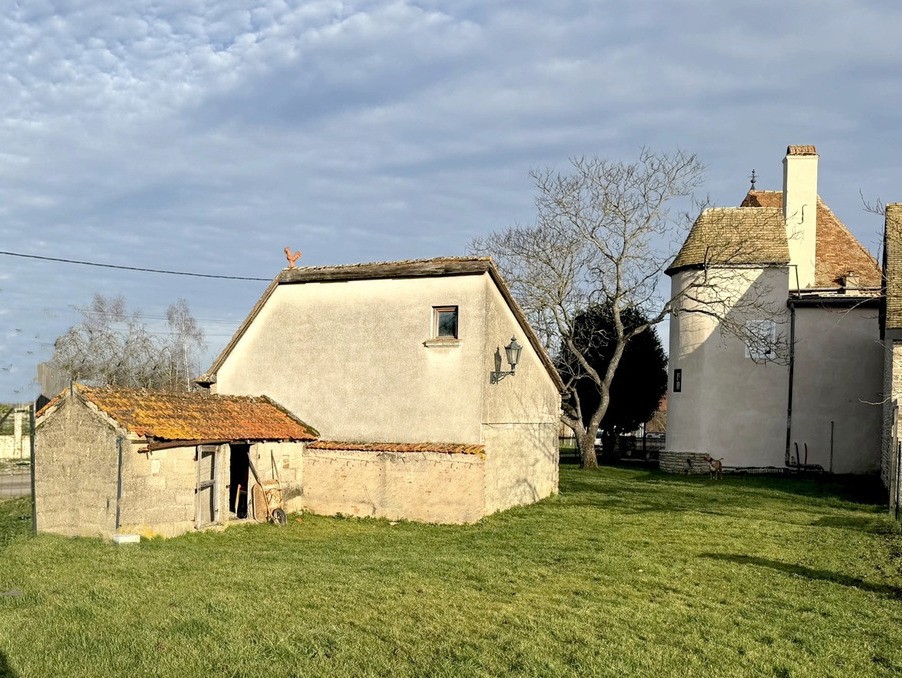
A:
x,y
627,572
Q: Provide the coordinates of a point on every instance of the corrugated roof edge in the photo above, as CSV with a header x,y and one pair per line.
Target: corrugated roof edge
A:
x,y
408,268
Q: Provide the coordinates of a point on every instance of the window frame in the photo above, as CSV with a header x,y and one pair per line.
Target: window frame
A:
x,y
764,340
437,312
678,380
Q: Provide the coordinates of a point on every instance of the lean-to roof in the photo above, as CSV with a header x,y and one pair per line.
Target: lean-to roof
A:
x,y
194,416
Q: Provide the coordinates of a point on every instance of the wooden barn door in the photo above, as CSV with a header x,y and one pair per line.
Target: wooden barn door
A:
x,y
207,492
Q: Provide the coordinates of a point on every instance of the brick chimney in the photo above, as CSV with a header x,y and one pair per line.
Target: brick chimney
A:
x,y
800,212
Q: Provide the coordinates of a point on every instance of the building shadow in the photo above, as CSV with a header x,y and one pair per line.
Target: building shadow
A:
x,y
6,670
808,573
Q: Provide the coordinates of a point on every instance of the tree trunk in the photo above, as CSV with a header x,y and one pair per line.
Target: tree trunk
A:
x,y
586,444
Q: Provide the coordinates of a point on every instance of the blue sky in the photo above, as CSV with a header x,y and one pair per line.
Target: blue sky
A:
x,y
207,136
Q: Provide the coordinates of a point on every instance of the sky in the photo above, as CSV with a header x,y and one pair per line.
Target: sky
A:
x,y
205,136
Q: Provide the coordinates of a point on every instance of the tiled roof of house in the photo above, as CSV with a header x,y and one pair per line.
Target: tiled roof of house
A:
x,y
411,268
195,416
892,262
837,251
734,236
441,448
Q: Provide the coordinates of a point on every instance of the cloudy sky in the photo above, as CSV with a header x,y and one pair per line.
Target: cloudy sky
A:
x,y
207,135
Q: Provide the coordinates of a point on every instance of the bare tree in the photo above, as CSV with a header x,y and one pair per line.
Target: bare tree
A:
x,y
604,234
113,346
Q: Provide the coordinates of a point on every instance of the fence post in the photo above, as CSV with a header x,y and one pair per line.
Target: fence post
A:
x,y
34,499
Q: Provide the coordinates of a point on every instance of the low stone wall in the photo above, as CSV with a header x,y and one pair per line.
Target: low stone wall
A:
x,y
421,486
14,448
688,463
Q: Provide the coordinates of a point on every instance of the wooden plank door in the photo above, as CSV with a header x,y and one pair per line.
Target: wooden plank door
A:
x,y
207,492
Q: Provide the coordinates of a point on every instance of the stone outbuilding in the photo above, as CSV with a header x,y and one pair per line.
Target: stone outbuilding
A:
x,y
111,461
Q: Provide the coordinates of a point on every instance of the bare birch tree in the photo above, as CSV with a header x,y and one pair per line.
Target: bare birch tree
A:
x,y
604,234
114,346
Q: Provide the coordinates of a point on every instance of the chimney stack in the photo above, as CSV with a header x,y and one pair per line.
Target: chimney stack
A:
x,y
800,211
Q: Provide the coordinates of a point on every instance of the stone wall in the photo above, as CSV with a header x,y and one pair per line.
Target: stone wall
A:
x,y
288,460
420,486
690,463
75,472
158,490
892,384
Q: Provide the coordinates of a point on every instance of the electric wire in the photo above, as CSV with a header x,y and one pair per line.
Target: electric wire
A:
x,y
132,268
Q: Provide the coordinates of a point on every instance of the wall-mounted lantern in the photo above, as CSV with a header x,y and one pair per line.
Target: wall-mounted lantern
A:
x,y
513,357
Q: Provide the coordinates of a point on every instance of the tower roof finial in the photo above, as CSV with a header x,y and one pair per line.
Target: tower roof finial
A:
x,y
754,178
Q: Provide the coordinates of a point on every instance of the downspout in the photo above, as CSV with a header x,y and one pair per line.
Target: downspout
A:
x,y
118,482
792,350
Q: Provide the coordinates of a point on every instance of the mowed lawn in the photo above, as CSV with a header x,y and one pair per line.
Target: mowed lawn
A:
x,y
627,572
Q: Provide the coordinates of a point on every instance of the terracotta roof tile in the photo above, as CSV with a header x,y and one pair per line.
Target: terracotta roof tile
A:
x,y
837,251
441,448
801,150
892,257
734,236
162,415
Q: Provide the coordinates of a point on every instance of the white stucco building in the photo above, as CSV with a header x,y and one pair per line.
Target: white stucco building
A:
x,y
393,363
775,353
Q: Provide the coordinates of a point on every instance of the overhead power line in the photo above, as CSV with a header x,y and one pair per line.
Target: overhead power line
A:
x,y
132,268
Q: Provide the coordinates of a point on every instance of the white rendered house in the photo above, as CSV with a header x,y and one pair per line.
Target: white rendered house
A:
x,y
775,358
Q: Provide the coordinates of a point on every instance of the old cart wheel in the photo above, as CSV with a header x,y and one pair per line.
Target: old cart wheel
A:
x,y
279,517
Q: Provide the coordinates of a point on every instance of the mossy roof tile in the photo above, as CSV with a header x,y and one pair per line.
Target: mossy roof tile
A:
x,y
162,415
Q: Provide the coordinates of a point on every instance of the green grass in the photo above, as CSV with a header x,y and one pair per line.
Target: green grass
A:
x,y
625,573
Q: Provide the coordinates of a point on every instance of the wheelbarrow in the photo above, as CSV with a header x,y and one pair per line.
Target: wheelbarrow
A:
x,y
267,497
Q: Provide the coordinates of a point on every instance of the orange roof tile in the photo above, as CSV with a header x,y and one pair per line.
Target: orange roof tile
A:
x,y
441,448
801,150
163,415
837,251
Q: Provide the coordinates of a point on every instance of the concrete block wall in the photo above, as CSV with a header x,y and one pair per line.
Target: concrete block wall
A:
x,y
75,473
158,490
420,486
288,459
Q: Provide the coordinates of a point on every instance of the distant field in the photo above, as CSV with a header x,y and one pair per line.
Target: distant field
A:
x,y
626,573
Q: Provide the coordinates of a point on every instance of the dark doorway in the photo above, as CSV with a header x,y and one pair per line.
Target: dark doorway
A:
x,y
238,475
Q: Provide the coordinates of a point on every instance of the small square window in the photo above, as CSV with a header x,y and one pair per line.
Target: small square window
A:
x,y
445,322
677,381
761,337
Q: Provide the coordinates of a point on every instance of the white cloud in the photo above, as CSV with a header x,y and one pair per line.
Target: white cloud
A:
x,y
205,135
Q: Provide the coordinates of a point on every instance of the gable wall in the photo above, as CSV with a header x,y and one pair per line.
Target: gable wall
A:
x,y
521,415
75,472
349,357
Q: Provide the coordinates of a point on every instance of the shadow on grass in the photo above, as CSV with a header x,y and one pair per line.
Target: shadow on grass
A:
x,y
5,669
808,573
854,489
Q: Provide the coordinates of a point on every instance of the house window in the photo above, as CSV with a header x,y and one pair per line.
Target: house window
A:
x,y
677,381
445,322
761,339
